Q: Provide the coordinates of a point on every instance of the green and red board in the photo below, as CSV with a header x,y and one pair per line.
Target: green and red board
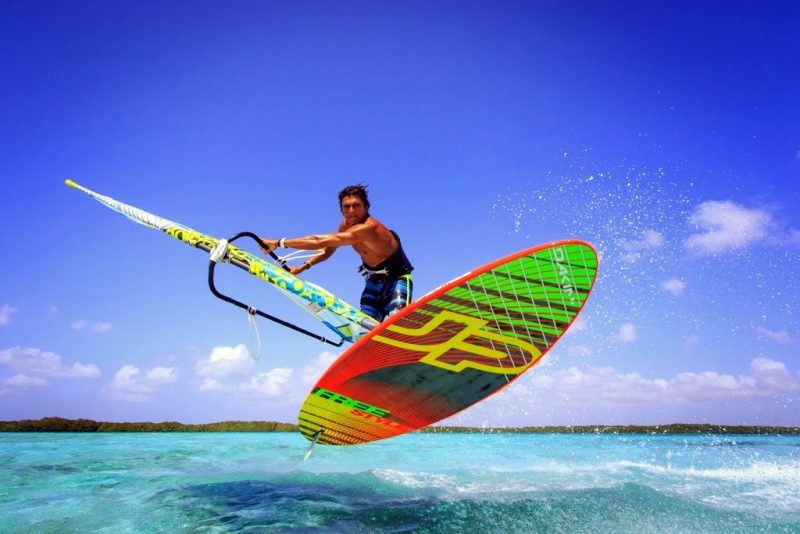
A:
x,y
452,348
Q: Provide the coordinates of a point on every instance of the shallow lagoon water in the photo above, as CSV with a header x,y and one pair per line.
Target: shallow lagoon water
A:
x,y
258,482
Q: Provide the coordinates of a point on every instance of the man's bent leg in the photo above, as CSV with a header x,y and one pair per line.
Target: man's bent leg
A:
x,y
399,295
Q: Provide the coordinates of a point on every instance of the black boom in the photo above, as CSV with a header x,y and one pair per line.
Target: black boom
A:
x,y
252,310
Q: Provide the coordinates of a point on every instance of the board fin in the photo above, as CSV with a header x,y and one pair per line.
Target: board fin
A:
x,y
311,447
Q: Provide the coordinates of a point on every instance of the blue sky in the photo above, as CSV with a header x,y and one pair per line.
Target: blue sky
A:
x,y
666,135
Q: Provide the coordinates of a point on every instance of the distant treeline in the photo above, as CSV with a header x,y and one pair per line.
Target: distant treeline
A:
x,y
58,424
676,428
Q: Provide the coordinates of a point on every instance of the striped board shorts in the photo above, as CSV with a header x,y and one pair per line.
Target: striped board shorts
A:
x,y
384,297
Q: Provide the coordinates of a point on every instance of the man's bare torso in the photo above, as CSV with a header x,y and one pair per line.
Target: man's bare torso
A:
x,y
378,244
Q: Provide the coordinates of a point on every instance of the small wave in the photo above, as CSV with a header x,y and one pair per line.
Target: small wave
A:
x,y
757,472
763,488
499,484
415,480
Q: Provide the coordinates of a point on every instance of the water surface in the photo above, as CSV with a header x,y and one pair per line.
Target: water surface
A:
x,y
258,482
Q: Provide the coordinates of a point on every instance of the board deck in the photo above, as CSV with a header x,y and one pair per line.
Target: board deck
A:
x,y
452,348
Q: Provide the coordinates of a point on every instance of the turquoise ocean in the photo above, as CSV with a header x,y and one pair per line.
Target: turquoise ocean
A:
x,y
258,482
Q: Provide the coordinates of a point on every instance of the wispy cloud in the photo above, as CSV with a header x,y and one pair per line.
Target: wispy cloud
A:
x,y
724,226
578,325
314,369
37,367
212,384
23,381
634,249
674,286
6,311
130,385
780,336
690,342
626,333
577,350
99,327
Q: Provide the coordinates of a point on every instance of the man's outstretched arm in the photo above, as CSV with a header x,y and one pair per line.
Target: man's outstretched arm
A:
x,y
351,236
327,242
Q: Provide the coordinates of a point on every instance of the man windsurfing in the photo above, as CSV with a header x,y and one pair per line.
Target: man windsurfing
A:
x,y
384,263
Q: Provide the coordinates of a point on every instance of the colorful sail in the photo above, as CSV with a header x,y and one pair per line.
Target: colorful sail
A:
x,y
347,321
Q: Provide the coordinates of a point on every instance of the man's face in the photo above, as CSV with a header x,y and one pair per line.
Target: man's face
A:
x,y
353,210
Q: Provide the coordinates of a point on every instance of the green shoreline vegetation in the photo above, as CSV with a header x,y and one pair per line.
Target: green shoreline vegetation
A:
x,y
58,424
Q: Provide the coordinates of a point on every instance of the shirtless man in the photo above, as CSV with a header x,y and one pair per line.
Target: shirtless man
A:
x,y
384,264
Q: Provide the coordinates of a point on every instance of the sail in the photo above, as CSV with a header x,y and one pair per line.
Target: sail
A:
x,y
347,321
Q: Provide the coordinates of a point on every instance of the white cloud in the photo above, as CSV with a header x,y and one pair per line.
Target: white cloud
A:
x,y
673,286
79,370
212,384
53,309
36,363
99,327
226,361
627,333
773,375
605,385
313,370
726,226
23,380
31,361
162,375
6,311
270,384
129,385
781,336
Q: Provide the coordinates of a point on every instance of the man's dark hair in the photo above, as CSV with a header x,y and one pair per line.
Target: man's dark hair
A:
x,y
358,190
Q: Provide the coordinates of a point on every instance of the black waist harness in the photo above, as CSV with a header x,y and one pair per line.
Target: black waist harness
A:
x,y
392,267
